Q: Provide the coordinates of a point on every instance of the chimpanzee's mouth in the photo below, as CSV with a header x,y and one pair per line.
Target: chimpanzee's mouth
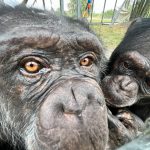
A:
x,y
65,139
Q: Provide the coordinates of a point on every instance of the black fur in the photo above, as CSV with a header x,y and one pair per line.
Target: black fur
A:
x,y
60,105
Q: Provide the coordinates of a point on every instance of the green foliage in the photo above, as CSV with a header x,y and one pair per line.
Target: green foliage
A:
x,y
108,14
141,8
110,35
72,6
84,3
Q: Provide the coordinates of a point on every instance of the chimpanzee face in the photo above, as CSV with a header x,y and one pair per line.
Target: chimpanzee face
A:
x,y
128,79
50,71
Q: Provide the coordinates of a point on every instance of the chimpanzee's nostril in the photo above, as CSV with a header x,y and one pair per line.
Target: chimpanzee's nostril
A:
x,y
62,108
90,96
73,94
67,110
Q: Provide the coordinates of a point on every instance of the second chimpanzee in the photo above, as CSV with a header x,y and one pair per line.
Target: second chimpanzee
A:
x,y
128,81
50,98
128,77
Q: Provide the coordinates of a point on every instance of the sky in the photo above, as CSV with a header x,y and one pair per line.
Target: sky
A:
x,y
98,4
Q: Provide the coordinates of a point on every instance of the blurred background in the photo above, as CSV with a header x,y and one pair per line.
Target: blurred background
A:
x,y
108,18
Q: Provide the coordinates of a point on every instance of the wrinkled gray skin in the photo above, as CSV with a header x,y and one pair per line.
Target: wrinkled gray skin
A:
x,y
128,78
61,106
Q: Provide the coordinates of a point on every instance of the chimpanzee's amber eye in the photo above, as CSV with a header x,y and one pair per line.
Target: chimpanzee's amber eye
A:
x,y
32,67
87,61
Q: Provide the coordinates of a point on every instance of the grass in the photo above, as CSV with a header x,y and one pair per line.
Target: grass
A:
x,y
98,19
110,35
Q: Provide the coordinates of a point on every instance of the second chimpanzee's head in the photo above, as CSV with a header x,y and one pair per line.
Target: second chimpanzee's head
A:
x,y
128,78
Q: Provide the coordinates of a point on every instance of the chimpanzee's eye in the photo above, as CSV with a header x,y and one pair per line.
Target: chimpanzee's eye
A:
x,y
32,65
126,64
86,61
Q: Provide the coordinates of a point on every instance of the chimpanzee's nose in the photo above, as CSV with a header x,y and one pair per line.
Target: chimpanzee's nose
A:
x,y
72,106
70,99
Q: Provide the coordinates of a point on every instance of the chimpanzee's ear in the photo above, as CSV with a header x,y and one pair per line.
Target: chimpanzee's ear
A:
x,y
84,20
139,19
135,23
140,24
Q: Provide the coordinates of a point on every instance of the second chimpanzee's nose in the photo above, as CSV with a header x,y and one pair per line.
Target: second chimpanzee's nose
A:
x,y
70,99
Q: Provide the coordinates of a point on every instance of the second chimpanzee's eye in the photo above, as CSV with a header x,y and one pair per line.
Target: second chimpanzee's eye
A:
x,y
126,64
86,61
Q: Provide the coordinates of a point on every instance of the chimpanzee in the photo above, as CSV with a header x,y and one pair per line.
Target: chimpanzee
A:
x,y
128,78
50,70
127,81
